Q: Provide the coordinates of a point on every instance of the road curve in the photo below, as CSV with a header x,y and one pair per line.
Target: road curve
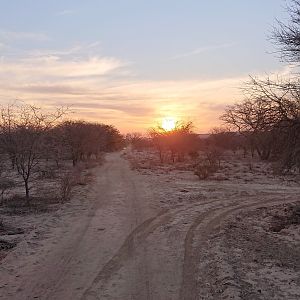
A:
x,y
124,245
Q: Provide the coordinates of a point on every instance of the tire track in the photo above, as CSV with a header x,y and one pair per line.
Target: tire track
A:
x,y
210,222
141,232
133,240
62,266
122,255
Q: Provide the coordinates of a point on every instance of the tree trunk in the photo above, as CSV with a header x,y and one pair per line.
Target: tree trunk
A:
x,y
27,192
13,161
245,152
173,156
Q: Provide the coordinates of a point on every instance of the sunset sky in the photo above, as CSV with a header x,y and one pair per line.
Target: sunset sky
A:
x,y
132,62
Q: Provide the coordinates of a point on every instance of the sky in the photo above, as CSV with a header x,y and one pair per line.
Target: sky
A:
x,y
131,63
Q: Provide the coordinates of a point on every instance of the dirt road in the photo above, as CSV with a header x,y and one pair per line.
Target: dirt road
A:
x,y
129,242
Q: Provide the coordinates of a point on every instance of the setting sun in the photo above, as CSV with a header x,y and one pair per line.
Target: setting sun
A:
x,y
168,124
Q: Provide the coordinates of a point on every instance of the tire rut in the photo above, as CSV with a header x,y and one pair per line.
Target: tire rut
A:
x,y
135,238
66,259
211,220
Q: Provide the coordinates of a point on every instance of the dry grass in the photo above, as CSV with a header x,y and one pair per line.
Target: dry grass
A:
x,y
232,167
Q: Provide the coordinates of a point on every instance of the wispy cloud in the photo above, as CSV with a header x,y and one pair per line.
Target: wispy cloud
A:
x,y
2,46
14,35
78,49
202,50
54,67
97,89
129,103
65,12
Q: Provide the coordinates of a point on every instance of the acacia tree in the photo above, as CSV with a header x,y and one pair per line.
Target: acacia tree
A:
x,y
287,36
176,142
270,115
84,140
223,138
253,119
138,141
283,116
158,141
22,129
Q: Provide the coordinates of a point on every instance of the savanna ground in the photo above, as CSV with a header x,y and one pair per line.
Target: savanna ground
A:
x,y
140,229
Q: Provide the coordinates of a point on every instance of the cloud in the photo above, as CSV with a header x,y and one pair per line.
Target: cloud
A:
x,y
46,67
130,110
202,50
14,35
78,49
130,104
2,46
65,12
96,88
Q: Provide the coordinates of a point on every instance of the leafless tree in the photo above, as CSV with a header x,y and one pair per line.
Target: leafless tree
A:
x,y
251,119
269,118
177,142
138,141
223,138
5,186
22,129
157,136
84,139
287,35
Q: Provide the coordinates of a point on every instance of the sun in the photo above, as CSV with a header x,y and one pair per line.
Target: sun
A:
x,y
168,123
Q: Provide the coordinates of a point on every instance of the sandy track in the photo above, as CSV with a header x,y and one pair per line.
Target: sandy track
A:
x,y
203,227
123,245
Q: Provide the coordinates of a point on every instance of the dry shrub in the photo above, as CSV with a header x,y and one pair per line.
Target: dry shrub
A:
x,y
5,186
194,155
16,205
90,164
2,164
67,184
77,173
214,156
250,166
69,180
47,173
205,168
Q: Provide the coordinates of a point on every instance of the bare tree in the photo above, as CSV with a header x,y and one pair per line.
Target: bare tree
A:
x,y
84,139
158,141
287,36
138,141
269,117
177,142
22,129
5,186
224,138
251,118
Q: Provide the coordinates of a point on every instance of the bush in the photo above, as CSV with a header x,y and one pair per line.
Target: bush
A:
x,y
46,173
194,155
205,168
5,186
67,184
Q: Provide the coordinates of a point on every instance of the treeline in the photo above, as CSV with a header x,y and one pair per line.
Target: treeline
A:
x,y
81,140
175,144
182,142
269,117
269,120
29,137
172,146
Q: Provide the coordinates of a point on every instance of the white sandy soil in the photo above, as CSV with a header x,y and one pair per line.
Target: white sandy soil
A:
x,y
145,231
